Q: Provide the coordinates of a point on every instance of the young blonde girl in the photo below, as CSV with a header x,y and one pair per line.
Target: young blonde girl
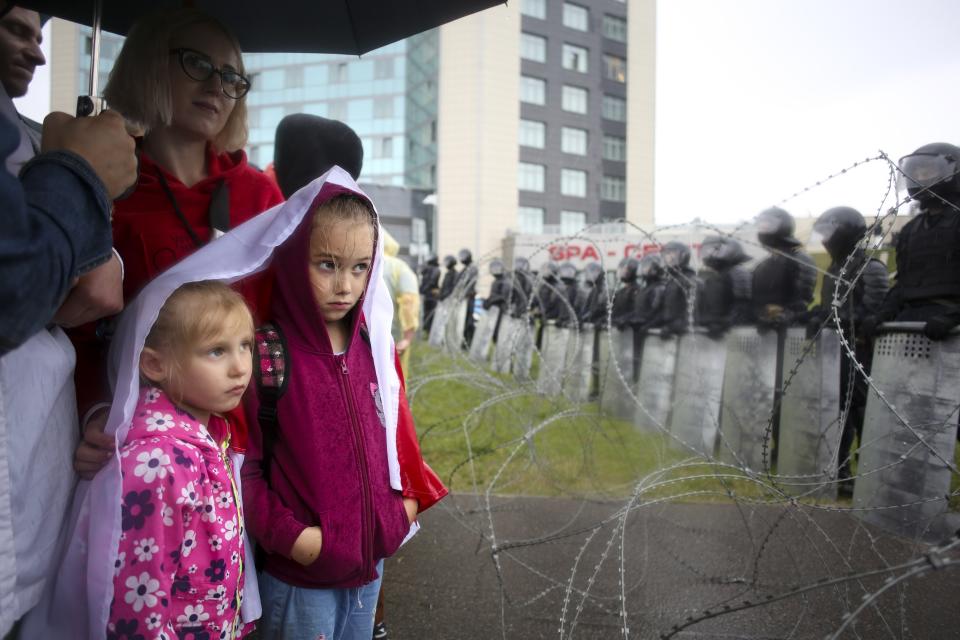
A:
x,y
179,571
327,512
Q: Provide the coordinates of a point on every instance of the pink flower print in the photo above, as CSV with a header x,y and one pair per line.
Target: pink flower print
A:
x,y
154,620
193,616
167,515
145,549
188,495
216,543
208,511
224,500
153,465
152,395
189,543
143,591
119,563
230,528
159,421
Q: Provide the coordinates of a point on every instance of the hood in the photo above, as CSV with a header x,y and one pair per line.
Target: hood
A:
x,y
292,302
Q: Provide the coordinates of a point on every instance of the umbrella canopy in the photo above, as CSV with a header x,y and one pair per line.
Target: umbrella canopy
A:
x,y
344,26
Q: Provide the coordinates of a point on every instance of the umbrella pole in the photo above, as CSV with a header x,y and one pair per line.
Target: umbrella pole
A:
x,y
91,104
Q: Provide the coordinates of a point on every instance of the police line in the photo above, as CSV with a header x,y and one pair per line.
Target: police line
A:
x,y
768,403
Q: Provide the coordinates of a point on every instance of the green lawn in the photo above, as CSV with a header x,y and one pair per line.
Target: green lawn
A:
x,y
484,432
481,432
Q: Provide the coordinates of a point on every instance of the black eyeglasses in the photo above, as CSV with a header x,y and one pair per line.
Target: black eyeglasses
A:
x,y
199,67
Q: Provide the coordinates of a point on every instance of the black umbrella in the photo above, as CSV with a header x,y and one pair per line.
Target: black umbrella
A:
x,y
294,26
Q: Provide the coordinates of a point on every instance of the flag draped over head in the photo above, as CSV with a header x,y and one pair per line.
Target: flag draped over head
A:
x,y
77,603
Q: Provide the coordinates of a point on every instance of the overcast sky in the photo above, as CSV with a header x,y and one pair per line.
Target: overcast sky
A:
x,y
757,99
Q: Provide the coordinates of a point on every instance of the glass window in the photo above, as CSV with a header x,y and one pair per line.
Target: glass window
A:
x,y
531,177
614,68
574,99
340,72
383,107
614,108
533,134
383,147
534,8
576,17
337,110
531,220
271,80
615,28
613,188
573,182
574,141
572,222
575,58
533,47
533,90
383,68
614,148
315,75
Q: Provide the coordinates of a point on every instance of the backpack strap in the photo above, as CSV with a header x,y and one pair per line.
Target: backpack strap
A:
x,y
271,378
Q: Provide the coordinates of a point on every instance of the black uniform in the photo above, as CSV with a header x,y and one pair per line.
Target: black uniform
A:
x,y
626,300
449,282
429,290
521,286
681,284
783,284
567,302
724,296
593,308
648,312
842,229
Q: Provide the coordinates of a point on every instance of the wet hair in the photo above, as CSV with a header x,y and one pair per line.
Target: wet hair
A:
x,y
345,208
195,312
139,84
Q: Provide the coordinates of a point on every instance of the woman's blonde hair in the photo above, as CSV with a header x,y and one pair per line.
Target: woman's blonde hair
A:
x,y
139,84
194,313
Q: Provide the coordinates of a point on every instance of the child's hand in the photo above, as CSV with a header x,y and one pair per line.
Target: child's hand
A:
x,y
307,547
95,449
411,506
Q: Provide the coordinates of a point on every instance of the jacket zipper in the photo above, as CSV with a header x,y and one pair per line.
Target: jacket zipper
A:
x,y
362,465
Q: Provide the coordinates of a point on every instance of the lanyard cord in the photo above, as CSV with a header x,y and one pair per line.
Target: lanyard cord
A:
x,y
177,210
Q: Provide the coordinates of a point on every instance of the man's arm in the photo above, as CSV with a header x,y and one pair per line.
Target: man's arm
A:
x,y
56,218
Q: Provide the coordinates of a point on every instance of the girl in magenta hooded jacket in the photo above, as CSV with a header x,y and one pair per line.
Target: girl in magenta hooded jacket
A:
x,y
327,514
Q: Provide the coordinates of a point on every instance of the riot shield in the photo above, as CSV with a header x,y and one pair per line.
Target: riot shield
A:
x,y
456,324
909,433
553,357
655,383
749,380
483,336
579,364
506,343
810,424
616,371
695,418
523,350
441,314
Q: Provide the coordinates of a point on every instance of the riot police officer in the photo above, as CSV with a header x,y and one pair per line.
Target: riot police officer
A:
x,y
681,284
429,290
724,298
648,312
592,306
521,286
626,299
784,282
449,278
566,313
467,281
858,294
928,248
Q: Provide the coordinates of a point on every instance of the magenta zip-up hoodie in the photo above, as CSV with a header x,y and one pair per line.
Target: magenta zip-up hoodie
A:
x,y
329,466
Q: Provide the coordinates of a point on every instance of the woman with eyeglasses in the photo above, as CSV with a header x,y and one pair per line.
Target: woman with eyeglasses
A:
x,y
179,78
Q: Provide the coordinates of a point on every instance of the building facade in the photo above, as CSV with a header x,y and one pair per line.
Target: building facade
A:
x,y
535,117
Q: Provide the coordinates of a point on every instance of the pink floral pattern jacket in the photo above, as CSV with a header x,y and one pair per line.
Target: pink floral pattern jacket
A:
x,y
179,572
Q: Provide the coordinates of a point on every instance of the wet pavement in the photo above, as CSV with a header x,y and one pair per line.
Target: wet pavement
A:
x,y
571,569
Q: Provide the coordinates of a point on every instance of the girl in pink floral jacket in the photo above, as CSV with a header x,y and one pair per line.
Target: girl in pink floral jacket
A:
x,y
180,568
